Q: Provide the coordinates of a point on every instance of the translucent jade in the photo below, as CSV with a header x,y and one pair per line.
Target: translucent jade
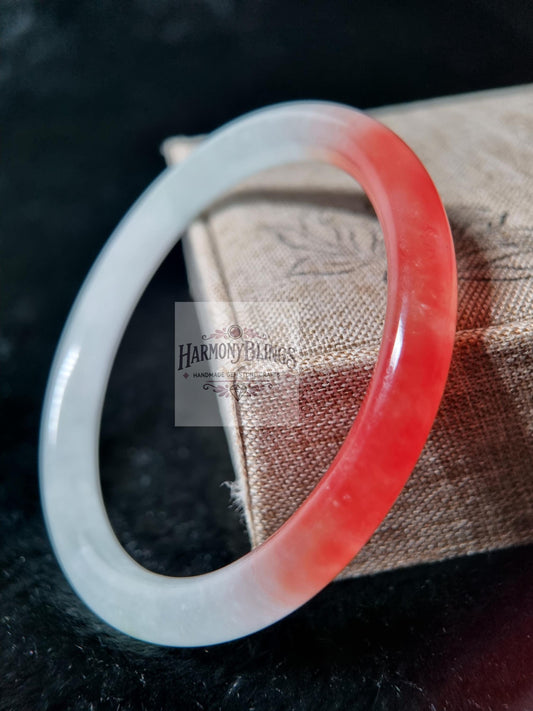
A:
x,y
382,447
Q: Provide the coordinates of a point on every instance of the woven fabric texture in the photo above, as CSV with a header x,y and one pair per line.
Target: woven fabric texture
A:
x,y
308,234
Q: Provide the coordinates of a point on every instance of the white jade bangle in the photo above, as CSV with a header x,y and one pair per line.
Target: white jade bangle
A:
x,y
372,466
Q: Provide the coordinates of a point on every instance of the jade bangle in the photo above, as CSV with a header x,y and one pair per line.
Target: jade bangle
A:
x,y
382,447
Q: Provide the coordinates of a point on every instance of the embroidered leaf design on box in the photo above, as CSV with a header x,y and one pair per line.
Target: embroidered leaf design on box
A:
x,y
488,248
322,243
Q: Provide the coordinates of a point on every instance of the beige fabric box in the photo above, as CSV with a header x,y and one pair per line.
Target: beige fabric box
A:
x,y
308,234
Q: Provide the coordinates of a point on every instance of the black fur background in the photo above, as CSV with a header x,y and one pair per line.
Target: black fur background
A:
x,y
87,92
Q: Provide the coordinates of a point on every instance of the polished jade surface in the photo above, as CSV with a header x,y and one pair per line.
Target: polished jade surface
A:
x,y
374,463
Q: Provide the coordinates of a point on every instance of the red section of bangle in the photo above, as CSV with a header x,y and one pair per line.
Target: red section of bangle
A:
x,y
386,439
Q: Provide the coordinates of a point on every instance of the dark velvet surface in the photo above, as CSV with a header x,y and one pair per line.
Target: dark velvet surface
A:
x,y
87,92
